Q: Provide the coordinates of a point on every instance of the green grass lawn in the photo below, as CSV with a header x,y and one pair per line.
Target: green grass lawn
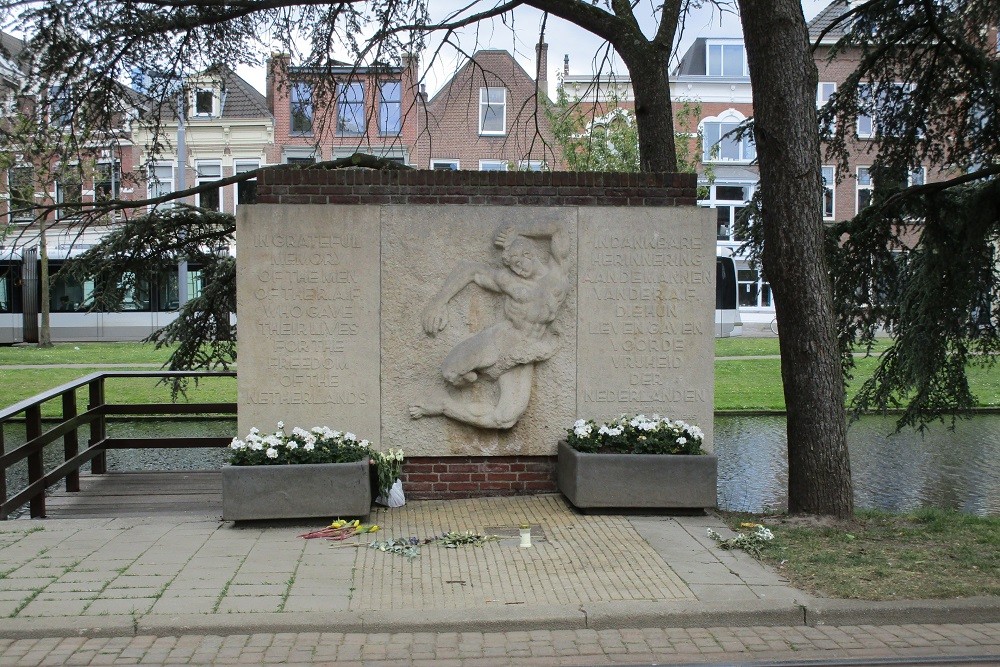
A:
x,y
878,556
740,384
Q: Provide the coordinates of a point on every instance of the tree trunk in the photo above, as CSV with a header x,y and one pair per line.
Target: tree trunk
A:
x,y
654,117
784,78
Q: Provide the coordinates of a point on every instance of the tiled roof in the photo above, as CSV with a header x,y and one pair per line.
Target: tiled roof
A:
x,y
826,18
242,99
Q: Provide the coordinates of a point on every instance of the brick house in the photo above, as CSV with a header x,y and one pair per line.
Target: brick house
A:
x,y
332,113
489,117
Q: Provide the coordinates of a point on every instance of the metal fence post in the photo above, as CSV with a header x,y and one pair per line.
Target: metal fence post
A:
x,y
3,476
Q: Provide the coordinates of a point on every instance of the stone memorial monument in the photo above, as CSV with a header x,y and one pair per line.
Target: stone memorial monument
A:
x,y
470,317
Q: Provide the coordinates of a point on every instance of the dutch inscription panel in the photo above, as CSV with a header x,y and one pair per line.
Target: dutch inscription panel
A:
x,y
646,291
308,317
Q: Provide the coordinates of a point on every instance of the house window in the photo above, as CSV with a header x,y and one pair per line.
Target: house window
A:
x,y
21,185
722,145
728,202
302,108
532,165
107,181
390,111
864,187
493,165
161,181
917,177
445,165
69,193
60,106
824,91
351,109
246,191
492,111
5,290
870,109
829,184
300,160
726,60
752,290
204,102
207,172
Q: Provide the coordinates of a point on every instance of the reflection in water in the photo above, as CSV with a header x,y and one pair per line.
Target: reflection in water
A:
x,y
953,469
957,469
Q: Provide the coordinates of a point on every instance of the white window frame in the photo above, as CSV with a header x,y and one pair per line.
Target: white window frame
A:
x,y
194,103
385,105
241,165
532,165
829,187
731,206
825,90
201,165
348,106
438,163
116,177
302,104
502,165
485,105
721,44
912,177
874,106
859,188
747,150
153,181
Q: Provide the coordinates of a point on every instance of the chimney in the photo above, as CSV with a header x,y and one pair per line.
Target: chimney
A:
x,y
542,67
275,61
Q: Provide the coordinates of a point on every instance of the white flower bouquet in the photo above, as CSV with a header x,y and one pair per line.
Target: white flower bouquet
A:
x,y
317,445
636,434
389,466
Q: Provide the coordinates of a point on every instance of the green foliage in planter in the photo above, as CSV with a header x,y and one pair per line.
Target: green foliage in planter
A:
x,y
637,434
317,445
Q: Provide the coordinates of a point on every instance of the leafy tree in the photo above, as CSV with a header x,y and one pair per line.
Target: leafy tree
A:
x,y
91,47
593,141
923,261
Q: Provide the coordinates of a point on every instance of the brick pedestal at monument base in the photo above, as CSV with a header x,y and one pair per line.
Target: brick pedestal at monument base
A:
x,y
471,317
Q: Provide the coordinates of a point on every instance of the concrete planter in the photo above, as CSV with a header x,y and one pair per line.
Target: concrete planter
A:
x,y
296,491
640,481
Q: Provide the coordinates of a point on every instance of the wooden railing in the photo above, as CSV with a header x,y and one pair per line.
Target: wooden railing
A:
x,y
95,417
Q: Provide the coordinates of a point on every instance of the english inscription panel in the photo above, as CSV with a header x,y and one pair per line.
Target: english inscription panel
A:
x,y
646,294
308,317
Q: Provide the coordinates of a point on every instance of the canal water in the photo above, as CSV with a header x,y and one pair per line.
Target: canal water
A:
x,y
952,469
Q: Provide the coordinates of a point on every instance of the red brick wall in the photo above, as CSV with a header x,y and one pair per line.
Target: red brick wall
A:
x,y
472,476
451,125
365,186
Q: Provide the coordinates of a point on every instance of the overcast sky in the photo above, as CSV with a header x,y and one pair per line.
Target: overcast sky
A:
x,y
586,52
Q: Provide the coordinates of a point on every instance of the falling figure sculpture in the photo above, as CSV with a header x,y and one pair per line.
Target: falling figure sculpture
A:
x,y
534,285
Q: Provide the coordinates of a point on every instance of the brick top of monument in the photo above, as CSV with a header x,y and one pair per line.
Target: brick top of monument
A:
x,y
295,185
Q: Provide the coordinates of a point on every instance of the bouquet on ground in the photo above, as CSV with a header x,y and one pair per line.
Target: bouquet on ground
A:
x,y
317,445
389,468
637,434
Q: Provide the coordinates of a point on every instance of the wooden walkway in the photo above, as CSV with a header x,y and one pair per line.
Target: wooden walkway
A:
x,y
120,494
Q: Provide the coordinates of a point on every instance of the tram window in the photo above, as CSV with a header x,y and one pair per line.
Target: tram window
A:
x,y
136,297
70,295
167,292
5,306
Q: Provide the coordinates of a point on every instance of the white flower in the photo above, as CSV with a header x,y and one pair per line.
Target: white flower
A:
x,y
764,534
682,440
309,446
637,420
272,441
256,445
582,430
281,425
604,430
272,453
335,434
300,432
617,430
291,444
350,436
254,431
237,444
364,443
579,422
647,426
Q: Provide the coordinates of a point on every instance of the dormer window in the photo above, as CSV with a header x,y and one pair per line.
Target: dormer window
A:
x,y
726,59
204,102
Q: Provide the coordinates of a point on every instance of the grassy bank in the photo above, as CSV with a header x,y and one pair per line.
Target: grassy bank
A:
x,y
740,383
877,556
